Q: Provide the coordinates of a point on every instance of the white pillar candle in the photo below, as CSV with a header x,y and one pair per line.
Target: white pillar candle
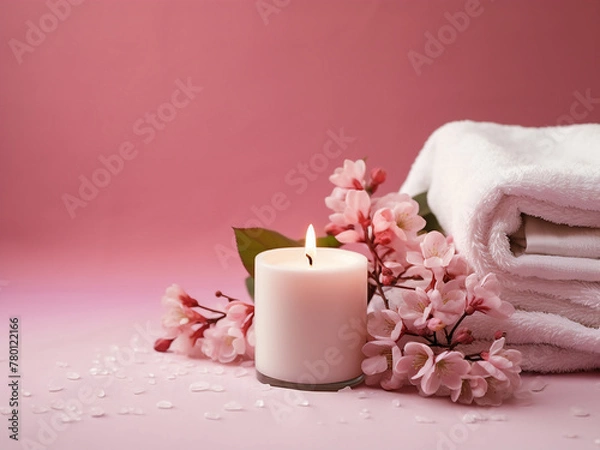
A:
x,y
310,319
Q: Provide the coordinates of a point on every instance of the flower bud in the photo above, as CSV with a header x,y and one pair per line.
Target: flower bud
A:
x,y
464,336
435,324
378,176
499,334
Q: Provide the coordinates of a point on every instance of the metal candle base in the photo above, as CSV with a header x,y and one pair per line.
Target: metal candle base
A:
x,y
309,387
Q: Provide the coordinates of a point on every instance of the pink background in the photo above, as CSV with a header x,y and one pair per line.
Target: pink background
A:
x,y
272,91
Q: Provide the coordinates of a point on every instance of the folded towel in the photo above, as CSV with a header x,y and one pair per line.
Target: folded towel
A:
x,y
482,180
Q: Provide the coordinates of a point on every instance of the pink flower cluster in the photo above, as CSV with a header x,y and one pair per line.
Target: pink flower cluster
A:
x,y
425,290
223,336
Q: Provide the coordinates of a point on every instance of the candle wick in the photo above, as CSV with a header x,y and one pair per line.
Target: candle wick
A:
x,y
309,259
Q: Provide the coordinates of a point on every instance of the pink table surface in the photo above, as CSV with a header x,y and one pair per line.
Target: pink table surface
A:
x,y
118,339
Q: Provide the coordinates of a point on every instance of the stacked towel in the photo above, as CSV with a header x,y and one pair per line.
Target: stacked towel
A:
x,y
508,194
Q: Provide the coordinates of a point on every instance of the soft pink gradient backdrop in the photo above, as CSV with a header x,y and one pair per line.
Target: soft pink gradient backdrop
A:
x,y
271,93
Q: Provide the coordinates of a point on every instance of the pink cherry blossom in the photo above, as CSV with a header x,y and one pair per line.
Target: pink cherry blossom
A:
x,y
356,216
224,341
384,324
501,369
417,360
448,302
414,277
402,212
436,251
483,296
472,387
351,175
381,357
337,200
390,271
416,308
448,369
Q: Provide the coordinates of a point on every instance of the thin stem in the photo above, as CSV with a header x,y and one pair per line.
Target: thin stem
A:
x,y
212,310
451,334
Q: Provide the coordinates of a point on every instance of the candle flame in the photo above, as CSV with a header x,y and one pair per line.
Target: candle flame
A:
x,y
310,246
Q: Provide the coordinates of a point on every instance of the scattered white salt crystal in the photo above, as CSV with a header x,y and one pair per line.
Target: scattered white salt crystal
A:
x,y
94,371
365,415
217,388
423,419
164,404
498,417
233,406
152,381
265,387
472,418
259,403
57,404
202,370
5,411
55,387
219,370
247,364
240,372
363,394
26,393
597,441
100,393
181,372
123,411
396,403
96,362
342,420
579,412
137,411
212,416
62,364
189,364
199,386
36,409
171,377
138,390
150,375
64,418
303,402
346,389
120,375
538,384
96,411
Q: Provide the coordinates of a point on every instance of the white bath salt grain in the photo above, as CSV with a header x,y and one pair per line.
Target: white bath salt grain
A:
x,y
364,415
396,403
96,412
25,393
120,375
538,384
189,364
171,377
181,372
57,404
55,387
212,416
137,411
470,418
150,375
342,420
62,364
123,411
202,370
240,372
5,411
259,403
164,404
199,386
152,381
265,387
100,393
346,389
138,390
233,406
579,412
303,402
94,371
217,388
423,419
219,370
597,441
64,418
39,409
363,395
498,417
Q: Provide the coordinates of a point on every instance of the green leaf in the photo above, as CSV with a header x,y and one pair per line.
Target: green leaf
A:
x,y
252,241
431,222
250,287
